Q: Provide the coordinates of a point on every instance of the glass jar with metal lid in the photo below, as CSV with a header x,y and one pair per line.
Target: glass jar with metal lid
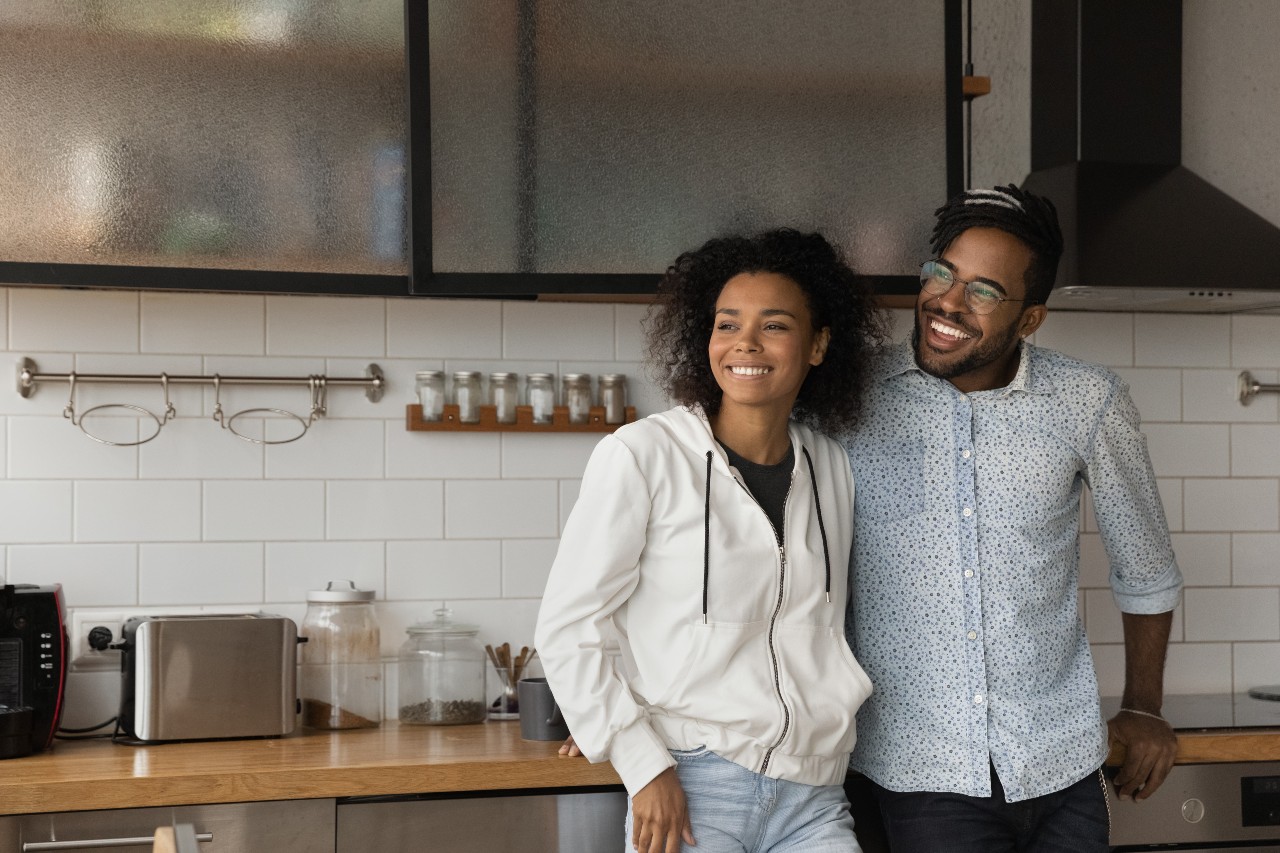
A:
x,y
442,670
466,394
542,397
613,396
576,394
430,387
340,664
502,396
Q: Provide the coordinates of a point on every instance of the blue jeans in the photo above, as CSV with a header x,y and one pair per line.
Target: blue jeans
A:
x,y
1073,820
736,811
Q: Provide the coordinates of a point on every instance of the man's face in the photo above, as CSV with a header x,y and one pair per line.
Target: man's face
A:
x,y
977,352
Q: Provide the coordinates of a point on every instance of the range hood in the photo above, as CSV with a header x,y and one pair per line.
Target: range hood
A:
x,y
1142,232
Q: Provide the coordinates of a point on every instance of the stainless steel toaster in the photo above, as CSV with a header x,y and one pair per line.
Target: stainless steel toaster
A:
x,y
208,676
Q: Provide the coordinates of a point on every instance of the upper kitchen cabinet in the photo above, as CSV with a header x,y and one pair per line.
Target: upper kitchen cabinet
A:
x,y
247,145
578,146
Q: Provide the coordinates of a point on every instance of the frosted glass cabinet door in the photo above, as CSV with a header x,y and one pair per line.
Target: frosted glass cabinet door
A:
x,y
232,134
607,136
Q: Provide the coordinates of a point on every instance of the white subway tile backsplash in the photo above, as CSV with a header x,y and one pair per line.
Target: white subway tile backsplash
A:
x,y
1205,558
236,398
1108,663
500,509
35,511
1254,450
1255,559
295,568
444,328
197,449
224,323
385,509
532,456
1189,450
1104,622
332,449
444,569
91,575
1181,340
1227,505
331,326
1255,665
1197,668
134,511
200,573
249,511
4,318
42,318
1171,497
629,332
1212,396
1232,614
558,330
1255,341
1095,567
46,398
442,455
526,564
51,448
1156,391
148,394
1100,338
398,389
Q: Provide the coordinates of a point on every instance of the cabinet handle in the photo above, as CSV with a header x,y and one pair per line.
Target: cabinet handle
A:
x,y
92,843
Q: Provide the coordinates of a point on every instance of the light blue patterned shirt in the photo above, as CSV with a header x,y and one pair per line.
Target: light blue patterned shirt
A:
x,y
965,563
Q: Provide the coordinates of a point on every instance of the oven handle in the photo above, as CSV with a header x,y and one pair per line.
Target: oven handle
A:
x,y
92,843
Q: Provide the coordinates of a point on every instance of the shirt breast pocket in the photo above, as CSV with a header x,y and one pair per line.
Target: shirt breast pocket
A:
x,y
889,480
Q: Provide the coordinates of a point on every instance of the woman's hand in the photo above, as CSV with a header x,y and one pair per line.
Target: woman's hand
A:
x,y
660,816
570,748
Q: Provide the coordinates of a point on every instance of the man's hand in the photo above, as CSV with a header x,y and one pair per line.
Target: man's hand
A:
x,y
660,816
1150,747
570,748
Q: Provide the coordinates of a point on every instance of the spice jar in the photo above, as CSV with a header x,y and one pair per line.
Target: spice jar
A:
x,y
576,393
613,396
502,396
442,673
430,385
340,673
542,397
466,394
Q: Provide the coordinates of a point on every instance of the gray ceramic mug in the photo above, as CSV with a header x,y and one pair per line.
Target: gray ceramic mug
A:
x,y
539,714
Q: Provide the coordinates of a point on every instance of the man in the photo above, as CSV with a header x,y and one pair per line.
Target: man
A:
x,y
984,732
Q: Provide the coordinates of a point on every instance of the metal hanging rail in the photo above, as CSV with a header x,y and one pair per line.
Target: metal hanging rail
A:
x,y
1247,388
373,381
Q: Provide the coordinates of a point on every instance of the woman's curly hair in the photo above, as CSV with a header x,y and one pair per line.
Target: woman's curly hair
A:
x,y
679,324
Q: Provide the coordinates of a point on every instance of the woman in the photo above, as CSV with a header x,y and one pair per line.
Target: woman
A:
x,y
711,544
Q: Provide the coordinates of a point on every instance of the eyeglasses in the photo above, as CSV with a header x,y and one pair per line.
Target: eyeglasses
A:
x,y
982,298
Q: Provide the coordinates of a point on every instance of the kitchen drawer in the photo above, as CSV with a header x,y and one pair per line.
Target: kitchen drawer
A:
x,y
547,823
285,826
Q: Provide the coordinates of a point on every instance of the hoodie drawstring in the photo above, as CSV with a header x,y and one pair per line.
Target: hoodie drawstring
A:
x,y
822,528
706,541
706,531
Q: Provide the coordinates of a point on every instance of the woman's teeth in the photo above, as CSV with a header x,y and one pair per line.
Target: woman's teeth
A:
x,y
749,371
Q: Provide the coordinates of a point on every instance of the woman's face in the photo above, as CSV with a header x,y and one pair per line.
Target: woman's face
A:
x,y
763,341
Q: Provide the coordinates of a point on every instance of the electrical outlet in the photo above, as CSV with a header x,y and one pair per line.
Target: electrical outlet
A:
x,y
84,620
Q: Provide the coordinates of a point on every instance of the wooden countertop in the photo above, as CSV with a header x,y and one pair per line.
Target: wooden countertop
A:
x,y
391,759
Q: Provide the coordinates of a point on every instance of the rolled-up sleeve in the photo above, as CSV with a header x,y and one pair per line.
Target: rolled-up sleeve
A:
x,y
1145,577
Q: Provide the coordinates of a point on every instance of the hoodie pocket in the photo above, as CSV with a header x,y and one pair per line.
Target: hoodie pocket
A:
x,y
726,678
825,686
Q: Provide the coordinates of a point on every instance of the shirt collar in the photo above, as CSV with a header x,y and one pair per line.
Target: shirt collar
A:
x,y
900,359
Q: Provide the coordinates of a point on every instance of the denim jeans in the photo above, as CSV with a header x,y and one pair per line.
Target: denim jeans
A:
x,y
736,811
1073,820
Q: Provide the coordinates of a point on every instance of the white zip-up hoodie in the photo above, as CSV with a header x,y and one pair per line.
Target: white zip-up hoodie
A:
x,y
727,641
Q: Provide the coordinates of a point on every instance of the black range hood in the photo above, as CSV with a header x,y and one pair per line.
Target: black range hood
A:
x,y
1143,232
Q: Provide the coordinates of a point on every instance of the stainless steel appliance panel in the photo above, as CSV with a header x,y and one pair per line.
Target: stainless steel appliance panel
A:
x,y
287,826
1203,804
547,823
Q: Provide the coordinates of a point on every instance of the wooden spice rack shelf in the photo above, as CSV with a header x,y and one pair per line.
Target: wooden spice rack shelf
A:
x,y
449,421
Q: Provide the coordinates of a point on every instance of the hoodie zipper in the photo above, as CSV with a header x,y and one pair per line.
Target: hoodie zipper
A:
x,y
773,620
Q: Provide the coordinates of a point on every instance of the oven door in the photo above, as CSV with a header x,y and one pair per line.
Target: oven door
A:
x,y
1202,805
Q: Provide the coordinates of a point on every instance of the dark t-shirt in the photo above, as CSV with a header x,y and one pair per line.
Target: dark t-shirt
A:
x,y
768,484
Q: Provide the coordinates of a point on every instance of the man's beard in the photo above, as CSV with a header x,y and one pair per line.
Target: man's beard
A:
x,y
987,350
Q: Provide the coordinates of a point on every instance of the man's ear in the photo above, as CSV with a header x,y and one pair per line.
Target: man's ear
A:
x,y
1031,320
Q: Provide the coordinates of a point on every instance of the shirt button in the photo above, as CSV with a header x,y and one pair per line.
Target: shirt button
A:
x,y
977,700
973,635
968,511
968,573
965,454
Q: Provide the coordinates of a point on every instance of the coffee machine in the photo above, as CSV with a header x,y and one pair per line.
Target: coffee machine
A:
x,y
33,666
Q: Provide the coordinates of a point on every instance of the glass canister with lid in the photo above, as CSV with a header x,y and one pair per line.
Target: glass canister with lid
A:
x,y
340,671
442,672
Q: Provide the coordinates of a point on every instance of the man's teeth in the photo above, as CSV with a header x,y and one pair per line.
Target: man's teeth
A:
x,y
948,331
749,371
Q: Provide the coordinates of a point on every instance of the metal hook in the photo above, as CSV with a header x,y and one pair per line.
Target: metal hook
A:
x,y
70,410
217,401
169,411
